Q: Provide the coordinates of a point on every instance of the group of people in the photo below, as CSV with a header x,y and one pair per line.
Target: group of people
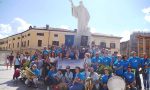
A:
x,y
99,65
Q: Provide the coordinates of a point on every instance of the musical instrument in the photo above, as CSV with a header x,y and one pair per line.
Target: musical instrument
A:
x,y
101,67
29,74
116,83
62,86
89,83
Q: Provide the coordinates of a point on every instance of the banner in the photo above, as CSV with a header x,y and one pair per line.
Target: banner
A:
x,y
72,63
69,40
3,56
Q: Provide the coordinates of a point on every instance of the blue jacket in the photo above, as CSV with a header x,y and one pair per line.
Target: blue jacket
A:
x,y
135,62
129,77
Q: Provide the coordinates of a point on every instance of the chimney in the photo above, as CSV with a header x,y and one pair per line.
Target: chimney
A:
x,y
47,26
30,27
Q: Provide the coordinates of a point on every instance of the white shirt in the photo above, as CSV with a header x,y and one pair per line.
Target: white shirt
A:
x,y
27,58
87,61
95,77
52,59
69,76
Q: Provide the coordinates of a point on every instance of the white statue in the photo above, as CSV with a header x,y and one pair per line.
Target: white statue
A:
x,y
81,13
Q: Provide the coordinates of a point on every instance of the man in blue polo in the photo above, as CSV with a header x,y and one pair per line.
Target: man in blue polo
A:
x,y
96,60
106,59
118,66
78,80
129,78
135,63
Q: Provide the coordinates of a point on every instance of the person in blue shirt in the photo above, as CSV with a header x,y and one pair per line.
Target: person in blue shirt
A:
x,y
45,52
114,58
72,55
118,66
34,78
104,79
106,60
50,78
146,74
78,80
130,79
125,63
95,61
135,63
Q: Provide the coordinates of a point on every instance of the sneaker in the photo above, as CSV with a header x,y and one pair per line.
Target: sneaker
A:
x,y
35,86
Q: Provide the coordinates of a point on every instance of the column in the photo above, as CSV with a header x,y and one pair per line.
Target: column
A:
x,y
138,46
144,45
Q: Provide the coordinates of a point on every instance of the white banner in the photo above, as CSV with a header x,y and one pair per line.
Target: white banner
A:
x,y
72,63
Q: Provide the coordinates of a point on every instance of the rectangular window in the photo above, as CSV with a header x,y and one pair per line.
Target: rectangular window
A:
x,y
21,44
18,37
18,44
40,34
112,45
102,45
55,43
24,43
13,45
13,38
39,43
22,36
28,42
55,35
9,45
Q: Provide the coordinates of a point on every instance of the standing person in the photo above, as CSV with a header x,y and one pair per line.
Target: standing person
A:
x,y
11,58
96,60
146,74
135,63
87,59
125,63
118,66
7,62
17,62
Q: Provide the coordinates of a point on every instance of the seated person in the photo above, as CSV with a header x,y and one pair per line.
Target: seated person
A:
x,y
49,79
68,75
58,76
95,78
78,80
130,78
104,79
34,78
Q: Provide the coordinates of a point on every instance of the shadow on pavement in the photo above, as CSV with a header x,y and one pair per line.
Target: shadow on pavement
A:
x,y
19,85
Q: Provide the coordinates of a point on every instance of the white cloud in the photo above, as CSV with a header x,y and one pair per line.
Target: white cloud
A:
x,y
23,24
65,27
146,11
93,30
5,28
17,25
126,33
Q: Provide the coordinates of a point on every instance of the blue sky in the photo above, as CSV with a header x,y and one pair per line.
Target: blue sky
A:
x,y
116,17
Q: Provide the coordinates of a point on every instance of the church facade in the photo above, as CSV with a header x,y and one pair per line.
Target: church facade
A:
x,y
36,38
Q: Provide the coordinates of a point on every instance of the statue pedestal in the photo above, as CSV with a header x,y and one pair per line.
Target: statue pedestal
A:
x,y
82,38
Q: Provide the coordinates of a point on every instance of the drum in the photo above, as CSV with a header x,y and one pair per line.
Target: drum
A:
x,y
116,83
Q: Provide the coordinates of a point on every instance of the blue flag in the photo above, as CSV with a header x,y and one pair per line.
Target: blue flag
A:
x,y
69,40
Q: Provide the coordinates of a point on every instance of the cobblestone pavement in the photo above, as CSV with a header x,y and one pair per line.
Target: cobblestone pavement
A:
x,y
7,83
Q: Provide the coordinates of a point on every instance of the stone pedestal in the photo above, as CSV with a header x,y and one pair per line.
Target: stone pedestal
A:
x,y
82,38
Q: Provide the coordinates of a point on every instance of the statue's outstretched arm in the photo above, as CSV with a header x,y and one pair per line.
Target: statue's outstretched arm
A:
x,y
71,3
